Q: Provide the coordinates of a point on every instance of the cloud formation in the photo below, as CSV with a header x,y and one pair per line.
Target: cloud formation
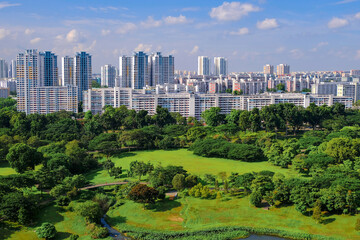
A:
x,y
143,47
337,23
232,11
126,27
7,4
240,31
73,36
35,40
194,50
268,23
4,33
169,20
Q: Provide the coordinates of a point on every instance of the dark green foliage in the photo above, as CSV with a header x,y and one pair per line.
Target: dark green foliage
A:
x,y
143,194
90,210
213,117
224,149
163,176
22,157
47,231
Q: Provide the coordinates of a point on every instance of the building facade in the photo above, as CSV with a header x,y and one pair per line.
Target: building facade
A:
x,y
203,65
283,69
67,71
192,105
268,69
82,72
3,69
220,66
108,75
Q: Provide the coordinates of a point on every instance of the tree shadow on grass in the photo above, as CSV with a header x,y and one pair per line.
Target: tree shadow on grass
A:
x,y
115,220
6,230
50,214
165,205
62,235
328,220
124,154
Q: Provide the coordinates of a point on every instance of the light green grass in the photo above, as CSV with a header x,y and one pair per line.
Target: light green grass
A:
x,y
192,163
5,169
66,223
198,214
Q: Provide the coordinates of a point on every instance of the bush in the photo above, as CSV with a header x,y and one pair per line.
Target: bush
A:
x,y
63,201
98,231
47,231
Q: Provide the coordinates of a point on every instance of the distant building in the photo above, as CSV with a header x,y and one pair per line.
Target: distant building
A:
x,y
67,71
283,69
220,66
355,73
268,69
161,69
108,75
203,65
3,69
4,92
82,72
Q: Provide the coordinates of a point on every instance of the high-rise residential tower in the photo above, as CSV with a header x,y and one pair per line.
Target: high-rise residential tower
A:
x,y
139,70
49,69
125,72
108,75
67,64
221,66
12,69
283,69
161,69
3,69
203,65
269,69
82,72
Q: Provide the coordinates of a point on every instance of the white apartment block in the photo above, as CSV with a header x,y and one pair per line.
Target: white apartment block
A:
x,y
67,77
8,83
190,104
108,75
203,65
220,66
3,69
341,89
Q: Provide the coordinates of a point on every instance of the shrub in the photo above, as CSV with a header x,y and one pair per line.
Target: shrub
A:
x,y
47,231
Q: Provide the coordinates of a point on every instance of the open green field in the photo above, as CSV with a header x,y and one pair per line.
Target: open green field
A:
x,y
66,223
192,163
5,169
197,214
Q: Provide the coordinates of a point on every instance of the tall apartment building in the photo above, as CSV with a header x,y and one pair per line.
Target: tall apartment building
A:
x,y
12,69
269,69
4,92
220,66
36,84
283,69
125,71
49,69
354,72
203,65
3,69
161,69
67,70
108,75
82,72
140,70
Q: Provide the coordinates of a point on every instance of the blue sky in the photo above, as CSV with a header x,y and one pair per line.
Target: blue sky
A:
x,y
307,34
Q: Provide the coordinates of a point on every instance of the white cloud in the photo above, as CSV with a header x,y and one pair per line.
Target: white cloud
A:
x,y
240,31
175,20
103,9
232,11
73,36
345,2
29,31
296,53
4,33
105,32
7,4
321,44
195,50
173,52
357,16
35,40
126,27
357,54
143,47
280,49
82,47
151,22
268,23
337,22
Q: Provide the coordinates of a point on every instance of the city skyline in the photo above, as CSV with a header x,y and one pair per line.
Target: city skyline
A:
x,y
249,34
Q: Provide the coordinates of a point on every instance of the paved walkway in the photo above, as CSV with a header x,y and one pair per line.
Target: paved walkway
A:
x,y
106,184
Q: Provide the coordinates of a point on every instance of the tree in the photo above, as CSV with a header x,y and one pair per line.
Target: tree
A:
x,y
195,133
140,168
317,215
46,230
143,194
256,198
191,181
90,210
213,117
178,182
280,87
244,120
223,176
255,120
22,157
163,117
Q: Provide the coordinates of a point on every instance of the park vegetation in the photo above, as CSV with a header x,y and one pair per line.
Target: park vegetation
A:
x,y
53,152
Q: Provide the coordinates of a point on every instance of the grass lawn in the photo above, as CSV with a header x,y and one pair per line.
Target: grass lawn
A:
x,y
5,169
192,163
197,214
66,223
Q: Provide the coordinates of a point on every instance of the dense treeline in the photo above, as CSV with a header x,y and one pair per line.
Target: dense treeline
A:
x,y
323,147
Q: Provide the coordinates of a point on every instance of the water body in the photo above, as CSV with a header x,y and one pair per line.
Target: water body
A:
x,y
119,236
